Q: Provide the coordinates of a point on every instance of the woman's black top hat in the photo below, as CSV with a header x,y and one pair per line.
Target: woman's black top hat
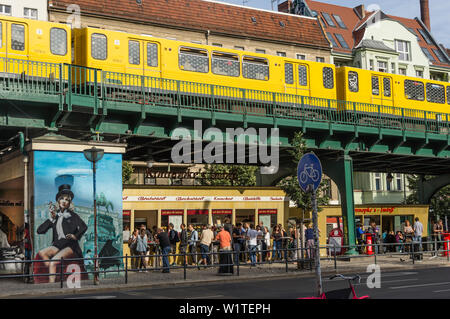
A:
x,y
64,190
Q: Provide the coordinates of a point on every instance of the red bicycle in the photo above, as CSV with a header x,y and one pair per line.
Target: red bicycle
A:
x,y
346,293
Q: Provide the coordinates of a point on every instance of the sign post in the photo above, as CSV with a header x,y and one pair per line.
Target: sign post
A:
x,y
309,174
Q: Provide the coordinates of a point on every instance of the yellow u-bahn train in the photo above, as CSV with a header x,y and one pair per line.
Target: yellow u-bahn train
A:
x,y
123,56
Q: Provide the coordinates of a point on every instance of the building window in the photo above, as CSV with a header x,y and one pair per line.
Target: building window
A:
x,y
4,9
398,181
377,181
388,185
440,56
300,56
341,40
428,54
419,73
217,45
425,36
261,51
393,68
320,59
403,48
402,71
58,41
333,42
239,48
382,66
339,21
371,65
328,19
283,54
30,13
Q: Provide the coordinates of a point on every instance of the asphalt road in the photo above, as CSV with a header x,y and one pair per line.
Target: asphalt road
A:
x,y
411,284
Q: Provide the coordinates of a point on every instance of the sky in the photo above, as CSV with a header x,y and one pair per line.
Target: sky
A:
x,y
439,11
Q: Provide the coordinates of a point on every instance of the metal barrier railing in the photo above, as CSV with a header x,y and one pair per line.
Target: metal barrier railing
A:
x,y
302,256
94,86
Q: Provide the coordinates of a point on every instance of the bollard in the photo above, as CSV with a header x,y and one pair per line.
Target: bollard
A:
x,y
412,252
335,260
286,258
126,269
237,270
61,274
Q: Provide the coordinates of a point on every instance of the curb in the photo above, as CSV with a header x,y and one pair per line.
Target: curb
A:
x,y
56,292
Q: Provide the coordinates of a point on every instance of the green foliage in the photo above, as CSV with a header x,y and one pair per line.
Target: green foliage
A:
x,y
440,202
290,184
239,175
127,170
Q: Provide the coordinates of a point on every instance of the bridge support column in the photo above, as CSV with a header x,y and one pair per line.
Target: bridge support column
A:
x,y
341,172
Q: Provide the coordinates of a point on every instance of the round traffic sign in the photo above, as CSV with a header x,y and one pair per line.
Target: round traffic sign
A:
x,y
309,172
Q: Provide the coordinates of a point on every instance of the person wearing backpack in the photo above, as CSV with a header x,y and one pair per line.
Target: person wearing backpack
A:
x,y
174,239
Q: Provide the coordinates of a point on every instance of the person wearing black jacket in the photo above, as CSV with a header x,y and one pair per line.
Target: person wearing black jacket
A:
x,y
67,229
183,241
173,238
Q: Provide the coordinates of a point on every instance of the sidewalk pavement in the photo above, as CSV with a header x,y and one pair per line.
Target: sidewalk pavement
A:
x,y
16,288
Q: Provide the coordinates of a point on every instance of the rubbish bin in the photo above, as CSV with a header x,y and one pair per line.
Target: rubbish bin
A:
x,y
369,242
446,238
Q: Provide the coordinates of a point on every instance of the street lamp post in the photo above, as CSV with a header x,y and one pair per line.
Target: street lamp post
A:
x,y
94,155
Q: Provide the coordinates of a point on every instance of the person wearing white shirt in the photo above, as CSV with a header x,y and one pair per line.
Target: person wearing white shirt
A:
x,y
252,238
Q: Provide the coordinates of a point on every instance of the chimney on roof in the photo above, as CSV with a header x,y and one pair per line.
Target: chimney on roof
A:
x,y
285,6
360,11
425,13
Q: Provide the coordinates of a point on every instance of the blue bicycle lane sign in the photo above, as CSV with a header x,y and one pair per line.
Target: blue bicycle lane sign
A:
x,y
309,172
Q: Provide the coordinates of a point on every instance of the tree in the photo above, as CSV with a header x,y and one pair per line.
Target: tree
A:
x,y
127,170
290,184
440,202
239,175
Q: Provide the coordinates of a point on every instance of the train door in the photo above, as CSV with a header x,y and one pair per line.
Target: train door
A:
x,y
296,79
388,99
152,61
376,90
135,63
16,40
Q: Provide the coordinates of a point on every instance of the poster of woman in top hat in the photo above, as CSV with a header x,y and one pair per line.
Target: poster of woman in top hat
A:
x,y
67,229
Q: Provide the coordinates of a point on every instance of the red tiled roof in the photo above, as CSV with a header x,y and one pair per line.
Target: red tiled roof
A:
x,y
352,21
199,15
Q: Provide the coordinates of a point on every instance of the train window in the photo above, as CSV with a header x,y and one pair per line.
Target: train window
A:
x,y
375,85
302,75
255,68
134,52
328,78
225,64
152,54
435,93
58,41
289,73
193,59
353,81
387,87
448,95
414,90
99,46
17,37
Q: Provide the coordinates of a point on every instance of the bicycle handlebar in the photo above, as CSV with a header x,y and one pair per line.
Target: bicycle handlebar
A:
x,y
346,278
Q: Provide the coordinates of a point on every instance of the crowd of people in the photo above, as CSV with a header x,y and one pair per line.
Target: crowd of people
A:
x,y
226,243
401,240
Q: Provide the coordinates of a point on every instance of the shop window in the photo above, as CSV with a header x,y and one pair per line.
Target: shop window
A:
x,y
435,93
197,218
194,60
328,78
99,46
268,217
219,216
255,68
225,64
152,54
369,219
17,37
58,41
302,75
289,73
414,90
353,81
